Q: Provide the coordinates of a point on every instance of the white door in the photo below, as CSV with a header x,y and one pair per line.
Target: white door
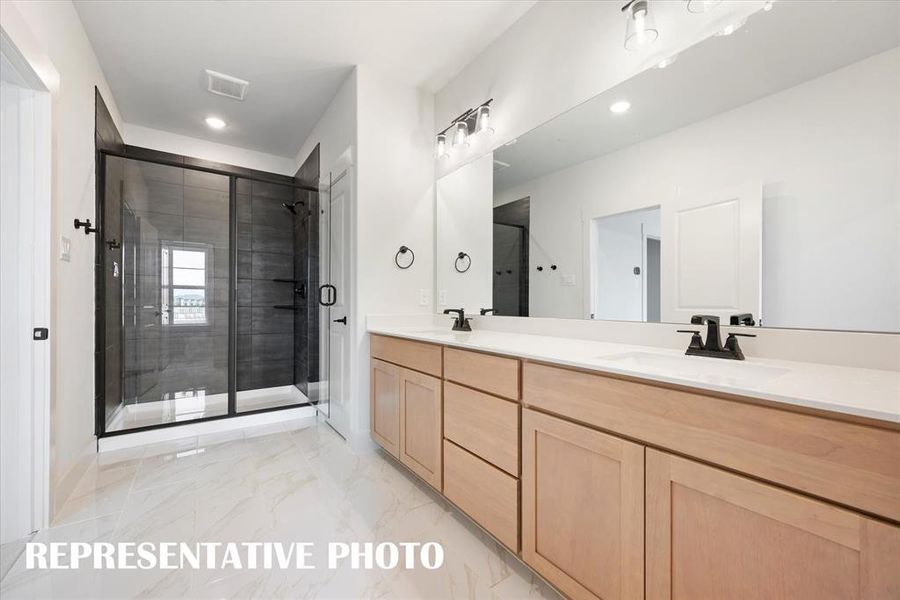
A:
x,y
335,316
24,296
711,253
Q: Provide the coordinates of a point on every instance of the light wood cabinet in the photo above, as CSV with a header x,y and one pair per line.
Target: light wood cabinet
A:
x,y
582,508
496,375
484,492
713,534
384,405
421,418
484,425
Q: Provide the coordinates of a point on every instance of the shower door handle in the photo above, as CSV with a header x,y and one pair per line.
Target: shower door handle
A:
x,y
332,296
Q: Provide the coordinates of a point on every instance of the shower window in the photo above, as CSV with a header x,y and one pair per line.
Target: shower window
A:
x,y
186,296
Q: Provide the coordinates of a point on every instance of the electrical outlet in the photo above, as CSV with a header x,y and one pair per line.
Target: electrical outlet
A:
x,y
423,297
65,249
442,298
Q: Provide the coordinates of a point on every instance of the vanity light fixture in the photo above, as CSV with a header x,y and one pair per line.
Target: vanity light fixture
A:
x,y
619,107
483,119
473,121
462,134
640,27
701,6
441,149
215,123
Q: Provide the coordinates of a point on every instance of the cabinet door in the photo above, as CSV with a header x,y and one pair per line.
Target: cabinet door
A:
x,y
713,534
421,425
582,508
384,406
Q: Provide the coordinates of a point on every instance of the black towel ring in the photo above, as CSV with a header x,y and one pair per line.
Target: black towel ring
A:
x,y
404,250
459,257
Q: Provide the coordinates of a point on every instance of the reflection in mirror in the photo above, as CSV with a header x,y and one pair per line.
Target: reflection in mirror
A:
x,y
756,174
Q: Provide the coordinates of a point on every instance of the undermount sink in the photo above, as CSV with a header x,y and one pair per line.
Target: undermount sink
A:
x,y
712,370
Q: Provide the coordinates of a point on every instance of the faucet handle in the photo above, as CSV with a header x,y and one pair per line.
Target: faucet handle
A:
x,y
731,344
696,340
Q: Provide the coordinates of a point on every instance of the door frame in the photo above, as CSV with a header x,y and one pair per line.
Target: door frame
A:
x,y
26,55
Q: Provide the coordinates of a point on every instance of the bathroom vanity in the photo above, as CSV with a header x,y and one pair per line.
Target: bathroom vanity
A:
x,y
611,483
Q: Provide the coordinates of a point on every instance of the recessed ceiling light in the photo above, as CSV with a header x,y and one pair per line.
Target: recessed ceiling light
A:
x,y
731,28
769,5
666,62
215,122
620,107
701,6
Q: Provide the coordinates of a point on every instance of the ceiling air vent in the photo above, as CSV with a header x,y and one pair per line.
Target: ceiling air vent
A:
x,y
226,85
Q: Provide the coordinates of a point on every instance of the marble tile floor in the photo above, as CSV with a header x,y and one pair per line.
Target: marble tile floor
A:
x,y
272,483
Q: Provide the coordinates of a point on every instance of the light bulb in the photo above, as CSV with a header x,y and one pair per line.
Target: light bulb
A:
x,y
483,120
462,134
640,28
441,149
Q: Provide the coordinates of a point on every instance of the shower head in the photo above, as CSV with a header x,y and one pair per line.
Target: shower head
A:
x,y
292,207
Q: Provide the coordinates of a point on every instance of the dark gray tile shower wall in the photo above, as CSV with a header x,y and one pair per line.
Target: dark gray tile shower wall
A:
x,y
265,353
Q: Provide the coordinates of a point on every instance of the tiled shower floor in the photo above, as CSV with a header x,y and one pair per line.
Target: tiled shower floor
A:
x,y
268,484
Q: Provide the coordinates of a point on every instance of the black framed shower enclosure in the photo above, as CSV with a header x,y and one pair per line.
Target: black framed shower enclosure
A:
x,y
203,302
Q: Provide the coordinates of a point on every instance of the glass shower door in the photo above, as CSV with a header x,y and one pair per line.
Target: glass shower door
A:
x,y
165,259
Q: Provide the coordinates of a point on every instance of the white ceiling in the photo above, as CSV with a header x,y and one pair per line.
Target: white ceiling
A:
x,y
793,43
295,55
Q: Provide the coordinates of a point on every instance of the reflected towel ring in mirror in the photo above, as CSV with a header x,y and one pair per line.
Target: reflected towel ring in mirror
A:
x,y
465,259
404,250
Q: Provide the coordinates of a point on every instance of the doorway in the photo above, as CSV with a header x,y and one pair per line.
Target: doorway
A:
x,y
25,175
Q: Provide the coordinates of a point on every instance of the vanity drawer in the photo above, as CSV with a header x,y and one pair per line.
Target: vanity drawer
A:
x,y
484,425
849,463
418,356
495,374
485,493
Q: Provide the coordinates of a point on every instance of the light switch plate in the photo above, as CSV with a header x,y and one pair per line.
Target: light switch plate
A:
x,y
568,280
65,249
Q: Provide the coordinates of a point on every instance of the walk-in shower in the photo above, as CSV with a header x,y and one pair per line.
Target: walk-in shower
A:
x,y
206,306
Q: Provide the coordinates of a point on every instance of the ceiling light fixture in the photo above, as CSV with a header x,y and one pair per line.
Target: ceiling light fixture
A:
x,y
640,27
619,107
215,123
731,28
701,6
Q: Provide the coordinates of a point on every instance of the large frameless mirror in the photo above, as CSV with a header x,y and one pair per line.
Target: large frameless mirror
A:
x,y
756,178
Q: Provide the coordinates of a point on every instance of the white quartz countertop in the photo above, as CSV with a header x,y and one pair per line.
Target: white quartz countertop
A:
x,y
870,393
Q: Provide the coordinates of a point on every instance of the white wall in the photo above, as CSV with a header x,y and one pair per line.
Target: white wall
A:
x,y
827,154
335,131
164,141
395,206
57,29
465,214
562,53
